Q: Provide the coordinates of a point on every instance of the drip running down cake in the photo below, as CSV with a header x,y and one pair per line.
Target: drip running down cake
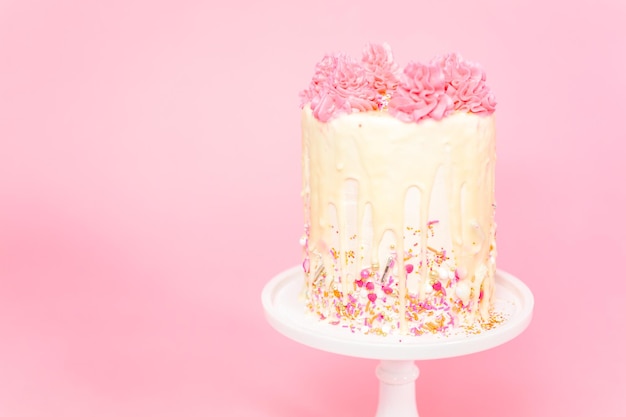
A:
x,y
398,193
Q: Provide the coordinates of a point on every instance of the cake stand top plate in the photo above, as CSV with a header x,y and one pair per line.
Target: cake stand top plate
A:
x,y
286,312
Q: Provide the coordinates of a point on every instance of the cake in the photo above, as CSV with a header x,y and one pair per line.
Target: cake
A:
x,y
398,191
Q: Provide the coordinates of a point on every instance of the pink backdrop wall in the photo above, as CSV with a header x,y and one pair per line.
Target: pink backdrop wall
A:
x,y
149,164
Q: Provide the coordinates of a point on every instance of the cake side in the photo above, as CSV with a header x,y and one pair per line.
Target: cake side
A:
x,y
400,231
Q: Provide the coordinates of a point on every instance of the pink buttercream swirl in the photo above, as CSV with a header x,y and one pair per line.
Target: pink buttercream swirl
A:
x,y
323,71
466,84
421,93
382,70
342,85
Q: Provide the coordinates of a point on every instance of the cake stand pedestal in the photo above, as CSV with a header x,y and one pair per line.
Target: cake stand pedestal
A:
x,y
396,371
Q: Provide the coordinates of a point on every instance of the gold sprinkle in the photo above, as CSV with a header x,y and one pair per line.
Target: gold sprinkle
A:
x,y
378,331
432,327
318,272
433,250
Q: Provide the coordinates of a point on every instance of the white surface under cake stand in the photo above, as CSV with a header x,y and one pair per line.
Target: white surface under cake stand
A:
x,y
396,372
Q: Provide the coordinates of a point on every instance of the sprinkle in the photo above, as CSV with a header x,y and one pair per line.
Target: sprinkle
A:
x,y
387,290
408,268
389,262
359,283
371,296
443,273
430,223
365,273
319,271
463,291
369,285
433,250
437,286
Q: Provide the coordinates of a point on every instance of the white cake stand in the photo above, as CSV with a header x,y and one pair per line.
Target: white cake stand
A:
x,y
396,372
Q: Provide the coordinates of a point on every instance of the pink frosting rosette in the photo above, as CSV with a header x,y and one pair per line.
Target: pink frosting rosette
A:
x,y
340,85
323,71
466,84
420,94
382,69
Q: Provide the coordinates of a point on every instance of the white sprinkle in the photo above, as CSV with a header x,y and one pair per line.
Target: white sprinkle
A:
x,y
463,291
444,273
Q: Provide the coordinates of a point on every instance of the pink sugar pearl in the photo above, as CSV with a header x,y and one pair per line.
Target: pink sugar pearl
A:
x,y
365,273
408,268
369,286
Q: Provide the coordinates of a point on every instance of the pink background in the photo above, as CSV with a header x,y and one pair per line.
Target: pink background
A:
x,y
149,166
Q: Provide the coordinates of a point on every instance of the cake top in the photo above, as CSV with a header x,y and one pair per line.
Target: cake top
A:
x,y
448,83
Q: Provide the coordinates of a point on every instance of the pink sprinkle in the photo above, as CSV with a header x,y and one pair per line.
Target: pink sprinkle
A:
x,y
372,297
408,268
437,286
306,265
387,290
359,283
430,223
365,273
369,285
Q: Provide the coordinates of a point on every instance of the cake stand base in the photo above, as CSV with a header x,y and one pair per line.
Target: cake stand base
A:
x,y
396,396
396,372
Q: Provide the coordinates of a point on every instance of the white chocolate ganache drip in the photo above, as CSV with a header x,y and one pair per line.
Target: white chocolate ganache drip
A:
x,y
400,232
